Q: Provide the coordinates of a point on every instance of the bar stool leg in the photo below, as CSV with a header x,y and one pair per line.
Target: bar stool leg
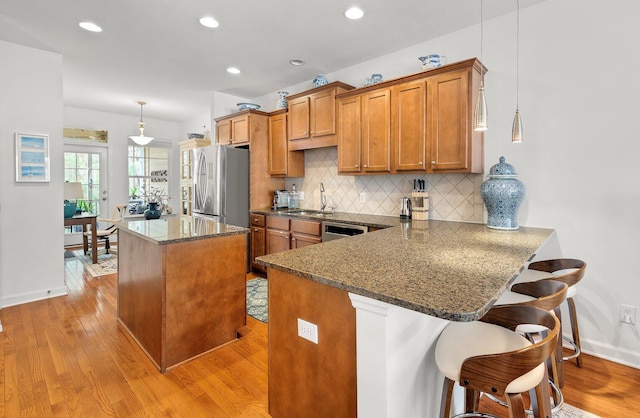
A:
x,y
575,331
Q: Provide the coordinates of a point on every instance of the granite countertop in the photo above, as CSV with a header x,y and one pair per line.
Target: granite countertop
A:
x,y
173,229
450,270
378,221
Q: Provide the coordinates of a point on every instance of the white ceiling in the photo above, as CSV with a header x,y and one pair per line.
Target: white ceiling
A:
x,y
155,50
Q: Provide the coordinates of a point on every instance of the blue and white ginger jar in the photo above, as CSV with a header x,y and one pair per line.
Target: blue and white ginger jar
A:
x,y
502,194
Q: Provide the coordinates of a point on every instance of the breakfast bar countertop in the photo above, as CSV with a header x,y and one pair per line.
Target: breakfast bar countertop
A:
x,y
450,270
174,229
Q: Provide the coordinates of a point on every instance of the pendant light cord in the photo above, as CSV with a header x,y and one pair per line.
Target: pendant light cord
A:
x,y
517,55
481,43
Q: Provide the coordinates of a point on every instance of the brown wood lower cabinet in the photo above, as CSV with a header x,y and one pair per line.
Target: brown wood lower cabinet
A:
x,y
308,379
278,236
283,233
304,233
182,299
258,240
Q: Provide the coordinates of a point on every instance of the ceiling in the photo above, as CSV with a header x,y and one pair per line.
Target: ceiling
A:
x,y
156,50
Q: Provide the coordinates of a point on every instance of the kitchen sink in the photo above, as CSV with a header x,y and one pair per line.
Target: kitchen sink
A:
x,y
307,212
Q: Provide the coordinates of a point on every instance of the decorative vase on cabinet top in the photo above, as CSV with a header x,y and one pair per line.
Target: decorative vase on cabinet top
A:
x,y
282,100
502,194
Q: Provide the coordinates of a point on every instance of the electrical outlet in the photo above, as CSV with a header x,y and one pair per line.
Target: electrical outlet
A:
x,y
308,331
363,197
301,195
628,314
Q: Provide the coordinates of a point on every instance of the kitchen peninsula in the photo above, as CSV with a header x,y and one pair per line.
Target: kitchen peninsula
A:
x,y
181,285
380,300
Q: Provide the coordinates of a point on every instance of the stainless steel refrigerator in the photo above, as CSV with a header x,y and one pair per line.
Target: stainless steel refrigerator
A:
x,y
221,184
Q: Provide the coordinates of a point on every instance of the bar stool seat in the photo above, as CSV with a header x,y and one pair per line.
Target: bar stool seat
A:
x,y
489,356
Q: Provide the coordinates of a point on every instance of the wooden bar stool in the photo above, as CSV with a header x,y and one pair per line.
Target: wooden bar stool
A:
x,y
489,356
569,271
547,295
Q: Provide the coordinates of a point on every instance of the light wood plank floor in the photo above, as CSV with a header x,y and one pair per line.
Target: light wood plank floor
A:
x,y
67,356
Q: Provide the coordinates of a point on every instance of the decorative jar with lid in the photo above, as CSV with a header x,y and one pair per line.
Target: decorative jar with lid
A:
x,y
502,194
282,100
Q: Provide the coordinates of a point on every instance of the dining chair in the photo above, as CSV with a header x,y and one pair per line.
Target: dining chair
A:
x,y
103,234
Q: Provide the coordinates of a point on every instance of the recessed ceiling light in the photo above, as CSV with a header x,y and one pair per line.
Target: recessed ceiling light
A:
x,y
209,22
90,26
354,13
233,70
296,62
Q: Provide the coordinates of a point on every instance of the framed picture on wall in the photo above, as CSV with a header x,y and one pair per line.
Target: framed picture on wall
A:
x,y
32,158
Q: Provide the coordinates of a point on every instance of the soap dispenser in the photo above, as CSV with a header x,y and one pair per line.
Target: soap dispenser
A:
x,y
293,198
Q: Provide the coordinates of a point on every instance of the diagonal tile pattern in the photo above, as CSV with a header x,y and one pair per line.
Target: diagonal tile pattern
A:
x,y
452,196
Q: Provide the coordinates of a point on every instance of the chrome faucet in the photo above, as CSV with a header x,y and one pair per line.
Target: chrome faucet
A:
x,y
323,198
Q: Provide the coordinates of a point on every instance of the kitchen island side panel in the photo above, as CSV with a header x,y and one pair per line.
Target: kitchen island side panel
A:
x,y
205,295
307,379
140,292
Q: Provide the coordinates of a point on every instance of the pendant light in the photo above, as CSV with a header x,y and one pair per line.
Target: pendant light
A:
x,y
480,114
141,139
516,130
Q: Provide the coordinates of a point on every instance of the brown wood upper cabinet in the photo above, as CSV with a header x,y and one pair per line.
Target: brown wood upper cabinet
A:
x,y
364,133
312,116
282,162
417,123
239,128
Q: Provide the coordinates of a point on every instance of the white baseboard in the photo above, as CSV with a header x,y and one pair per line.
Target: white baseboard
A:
x,y
33,296
611,353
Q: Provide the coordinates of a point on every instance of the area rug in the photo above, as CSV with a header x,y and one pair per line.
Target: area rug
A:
x,y
568,411
257,299
107,263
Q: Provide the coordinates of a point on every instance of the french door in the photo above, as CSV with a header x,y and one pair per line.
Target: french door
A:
x,y
87,165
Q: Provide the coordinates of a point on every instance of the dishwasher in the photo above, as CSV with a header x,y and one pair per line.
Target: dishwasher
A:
x,y
337,230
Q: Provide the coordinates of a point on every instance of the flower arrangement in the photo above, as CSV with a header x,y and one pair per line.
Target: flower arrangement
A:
x,y
155,195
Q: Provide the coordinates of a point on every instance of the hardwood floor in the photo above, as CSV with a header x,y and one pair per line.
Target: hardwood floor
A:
x,y
66,356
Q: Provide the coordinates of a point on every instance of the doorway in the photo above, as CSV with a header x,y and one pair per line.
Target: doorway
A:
x,y
87,165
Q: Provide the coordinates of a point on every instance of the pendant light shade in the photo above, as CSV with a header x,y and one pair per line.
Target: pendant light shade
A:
x,y
516,130
481,113
141,139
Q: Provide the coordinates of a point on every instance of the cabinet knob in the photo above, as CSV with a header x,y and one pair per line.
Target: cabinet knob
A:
x,y
420,162
255,230
284,169
433,162
356,166
365,166
293,239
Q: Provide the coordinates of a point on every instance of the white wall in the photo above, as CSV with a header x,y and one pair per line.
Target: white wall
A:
x,y
31,214
581,149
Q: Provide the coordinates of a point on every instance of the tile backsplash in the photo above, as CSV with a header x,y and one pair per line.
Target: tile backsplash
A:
x,y
454,197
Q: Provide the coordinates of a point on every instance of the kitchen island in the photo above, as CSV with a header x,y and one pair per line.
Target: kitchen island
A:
x,y
181,285
380,300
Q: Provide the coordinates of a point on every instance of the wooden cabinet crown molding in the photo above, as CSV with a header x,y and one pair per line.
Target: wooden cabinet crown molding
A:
x,y
330,86
242,113
459,65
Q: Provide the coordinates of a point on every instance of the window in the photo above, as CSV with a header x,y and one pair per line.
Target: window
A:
x,y
148,172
